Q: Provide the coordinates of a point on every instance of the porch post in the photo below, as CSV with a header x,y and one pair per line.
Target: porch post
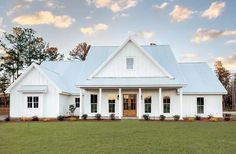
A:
x,y
120,104
139,103
100,101
160,101
181,103
81,103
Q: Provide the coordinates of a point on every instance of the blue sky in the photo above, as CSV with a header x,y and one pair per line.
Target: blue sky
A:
x,y
202,30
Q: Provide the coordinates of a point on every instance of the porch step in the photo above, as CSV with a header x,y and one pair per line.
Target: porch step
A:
x,y
129,118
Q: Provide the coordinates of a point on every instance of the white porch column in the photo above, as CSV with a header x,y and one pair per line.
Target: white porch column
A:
x,y
100,101
120,104
181,103
81,103
160,101
139,103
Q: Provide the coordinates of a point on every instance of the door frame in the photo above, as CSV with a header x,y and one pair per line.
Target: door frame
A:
x,y
136,102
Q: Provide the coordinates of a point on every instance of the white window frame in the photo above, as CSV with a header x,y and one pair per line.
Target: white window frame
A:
x,y
93,103
149,103
77,102
126,62
33,102
165,103
203,106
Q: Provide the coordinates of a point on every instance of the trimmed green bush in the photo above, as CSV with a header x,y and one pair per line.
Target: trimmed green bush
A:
x,y
98,116
112,116
146,117
198,117
35,118
162,117
60,118
176,117
84,116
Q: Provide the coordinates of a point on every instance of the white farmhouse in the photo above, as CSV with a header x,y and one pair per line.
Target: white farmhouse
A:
x,y
127,80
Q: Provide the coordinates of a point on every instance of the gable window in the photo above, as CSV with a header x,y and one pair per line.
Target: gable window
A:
x,y
200,105
77,102
166,104
130,63
148,105
93,100
33,102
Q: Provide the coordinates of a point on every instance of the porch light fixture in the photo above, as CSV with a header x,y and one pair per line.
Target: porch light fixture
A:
x,y
117,97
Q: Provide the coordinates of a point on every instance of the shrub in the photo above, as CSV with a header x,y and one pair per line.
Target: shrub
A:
x,y
146,117
60,118
227,117
72,109
112,116
162,117
176,117
98,116
7,119
209,116
84,116
198,117
35,118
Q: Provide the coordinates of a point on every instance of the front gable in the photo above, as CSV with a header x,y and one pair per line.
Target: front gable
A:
x,y
143,64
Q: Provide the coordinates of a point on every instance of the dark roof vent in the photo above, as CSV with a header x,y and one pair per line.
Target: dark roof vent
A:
x,y
153,44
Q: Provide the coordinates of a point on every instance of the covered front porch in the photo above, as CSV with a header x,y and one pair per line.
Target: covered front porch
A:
x,y
131,102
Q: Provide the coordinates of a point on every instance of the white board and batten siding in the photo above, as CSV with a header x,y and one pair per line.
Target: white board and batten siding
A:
x,y
143,66
48,102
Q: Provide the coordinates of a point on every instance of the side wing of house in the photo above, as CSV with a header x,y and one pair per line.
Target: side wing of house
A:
x,y
33,95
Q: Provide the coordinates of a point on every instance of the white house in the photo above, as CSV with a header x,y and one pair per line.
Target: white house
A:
x,y
127,80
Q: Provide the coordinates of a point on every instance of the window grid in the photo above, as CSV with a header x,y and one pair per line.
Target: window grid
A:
x,y
147,102
166,104
93,103
111,103
130,63
77,102
33,102
200,105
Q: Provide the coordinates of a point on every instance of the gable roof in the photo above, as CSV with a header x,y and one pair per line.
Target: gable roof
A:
x,y
106,62
32,66
201,79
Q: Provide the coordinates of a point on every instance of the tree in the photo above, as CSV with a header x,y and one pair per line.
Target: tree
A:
x,y
224,76
22,48
4,83
80,51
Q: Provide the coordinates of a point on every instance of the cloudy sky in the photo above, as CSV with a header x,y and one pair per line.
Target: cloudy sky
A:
x,y
202,30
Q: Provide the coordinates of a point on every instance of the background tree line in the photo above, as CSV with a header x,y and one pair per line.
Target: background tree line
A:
x,y
23,47
229,82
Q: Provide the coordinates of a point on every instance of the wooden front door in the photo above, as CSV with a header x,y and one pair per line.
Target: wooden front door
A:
x,y
129,105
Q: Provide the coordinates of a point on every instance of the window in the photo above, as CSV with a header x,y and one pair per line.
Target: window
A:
x,y
29,101
147,102
33,102
77,102
111,103
94,99
166,104
130,63
200,105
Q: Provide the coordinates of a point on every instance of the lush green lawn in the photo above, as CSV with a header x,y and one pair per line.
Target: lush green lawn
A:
x,y
127,136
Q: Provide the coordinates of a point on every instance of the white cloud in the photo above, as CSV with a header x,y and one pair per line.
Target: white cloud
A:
x,y
214,10
229,61
204,35
45,17
17,8
230,42
88,17
1,25
161,6
180,14
54,4
119,15
143,34
114,5
93,29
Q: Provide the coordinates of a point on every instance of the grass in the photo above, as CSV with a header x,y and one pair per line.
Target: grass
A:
x,y
126,136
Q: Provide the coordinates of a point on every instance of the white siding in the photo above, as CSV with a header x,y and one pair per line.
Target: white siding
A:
x,y
65,102
49,103
212,105
143,66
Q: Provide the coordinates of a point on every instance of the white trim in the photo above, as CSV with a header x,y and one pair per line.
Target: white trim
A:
x,y
119,49
139,103
120,104
133,86
33,65
204,93
160,101
181,103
